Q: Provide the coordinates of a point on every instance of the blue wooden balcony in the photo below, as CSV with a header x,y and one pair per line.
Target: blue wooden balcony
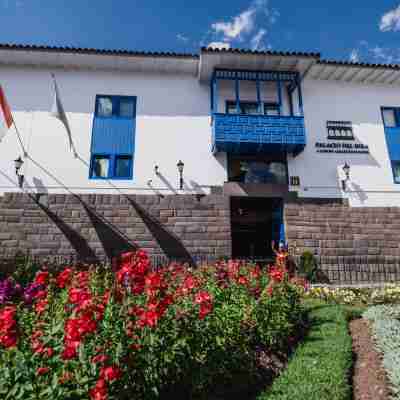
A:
x,y
240,133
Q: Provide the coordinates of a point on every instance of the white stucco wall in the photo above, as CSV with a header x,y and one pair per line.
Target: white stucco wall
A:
x,y
172,123
371,182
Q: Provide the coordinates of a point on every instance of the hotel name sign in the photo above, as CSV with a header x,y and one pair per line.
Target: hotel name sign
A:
x,y
342,147
341,139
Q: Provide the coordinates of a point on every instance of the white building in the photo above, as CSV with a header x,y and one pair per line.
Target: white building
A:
x,y
256,131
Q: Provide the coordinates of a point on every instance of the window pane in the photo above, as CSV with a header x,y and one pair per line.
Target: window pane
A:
x,y
123,167
396,172
105,107
271,109
249,108
126,108
389,118
100,167
231,107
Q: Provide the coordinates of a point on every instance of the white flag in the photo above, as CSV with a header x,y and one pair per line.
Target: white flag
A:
x,y
58,112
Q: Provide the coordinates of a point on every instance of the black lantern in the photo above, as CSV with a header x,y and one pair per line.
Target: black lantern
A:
x,y
18,164
346,170
180,167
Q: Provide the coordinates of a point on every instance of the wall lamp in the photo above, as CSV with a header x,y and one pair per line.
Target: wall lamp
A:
x,y
156,170
346,170
180,167
18,164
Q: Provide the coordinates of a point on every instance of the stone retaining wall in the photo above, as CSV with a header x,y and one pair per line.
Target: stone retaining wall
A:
x,y
98,225
332,228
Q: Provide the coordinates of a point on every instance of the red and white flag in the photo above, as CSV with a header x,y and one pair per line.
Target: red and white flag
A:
x,y
6,119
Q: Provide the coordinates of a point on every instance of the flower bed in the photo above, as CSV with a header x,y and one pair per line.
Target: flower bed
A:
x,y
390,293
137,333
386,328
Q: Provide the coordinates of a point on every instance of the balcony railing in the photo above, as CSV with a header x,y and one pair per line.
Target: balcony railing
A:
x,y
239,133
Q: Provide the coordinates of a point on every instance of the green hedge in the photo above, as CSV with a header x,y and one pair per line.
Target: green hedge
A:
x,y
320,366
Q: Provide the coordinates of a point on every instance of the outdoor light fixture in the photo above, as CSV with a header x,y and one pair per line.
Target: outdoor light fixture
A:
x,y
180,166
346,170
18,164
156,171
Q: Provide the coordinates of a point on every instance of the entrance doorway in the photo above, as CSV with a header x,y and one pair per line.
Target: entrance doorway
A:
x,y
255,223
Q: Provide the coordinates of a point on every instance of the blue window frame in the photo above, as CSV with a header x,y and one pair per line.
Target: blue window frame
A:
x,y
391,117
252,108
113,137
396,171
391,121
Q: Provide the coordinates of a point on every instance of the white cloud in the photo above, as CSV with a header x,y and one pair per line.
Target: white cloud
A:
x,y
390,21
219,45
374,54
354,55
182,38
256,40
240,24
384,55
249,27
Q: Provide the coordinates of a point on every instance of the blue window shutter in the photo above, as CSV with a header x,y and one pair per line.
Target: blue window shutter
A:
x,y
114,135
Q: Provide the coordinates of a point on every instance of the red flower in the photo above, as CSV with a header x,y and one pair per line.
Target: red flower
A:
x,y
69,351
110,374
41,294
255,272
8,327
136,311
205,309
99,392
49,352
242,280
148,318
8,340
42,370
277,274
7,318
82,278
42,277
100,358
79,296
64,278
41,306
189,283
202,297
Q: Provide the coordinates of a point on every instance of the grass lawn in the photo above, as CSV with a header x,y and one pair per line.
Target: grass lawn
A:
x,y
320,368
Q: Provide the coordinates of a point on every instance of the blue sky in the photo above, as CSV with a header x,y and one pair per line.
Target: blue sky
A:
x,y
340,29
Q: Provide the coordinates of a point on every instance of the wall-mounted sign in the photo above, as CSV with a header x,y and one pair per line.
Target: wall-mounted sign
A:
x,y
340,130
295,181
338,147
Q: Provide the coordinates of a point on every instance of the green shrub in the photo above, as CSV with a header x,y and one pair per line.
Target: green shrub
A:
x,y
308,266
320,367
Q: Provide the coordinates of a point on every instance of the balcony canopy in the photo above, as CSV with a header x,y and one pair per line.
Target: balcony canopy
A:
x,y
212,59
